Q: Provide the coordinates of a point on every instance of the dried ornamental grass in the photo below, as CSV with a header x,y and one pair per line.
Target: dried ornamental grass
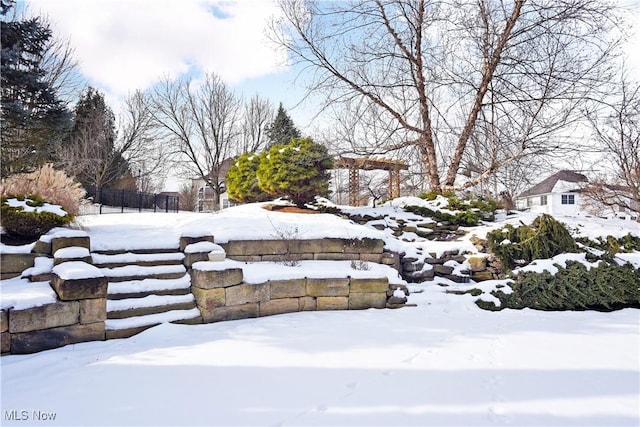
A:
x,y
52,185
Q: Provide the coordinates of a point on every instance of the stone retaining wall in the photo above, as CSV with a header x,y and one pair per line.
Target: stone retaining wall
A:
x,y
80,312
77,316
370,250
222,295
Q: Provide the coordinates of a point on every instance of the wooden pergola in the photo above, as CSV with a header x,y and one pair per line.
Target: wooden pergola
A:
x,y
356,164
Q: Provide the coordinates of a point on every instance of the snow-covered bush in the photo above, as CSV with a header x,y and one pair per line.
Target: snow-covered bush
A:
x,y
544,238
606,287
30,217
51,185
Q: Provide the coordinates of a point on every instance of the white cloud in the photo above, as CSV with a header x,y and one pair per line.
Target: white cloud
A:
x,y
125,45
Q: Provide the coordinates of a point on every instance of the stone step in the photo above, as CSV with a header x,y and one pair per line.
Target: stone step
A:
x,y
124,328
136,251
134,272
149,286
131,258
151,304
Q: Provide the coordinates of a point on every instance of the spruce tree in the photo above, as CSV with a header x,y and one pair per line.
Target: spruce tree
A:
x,y
33,119
282,130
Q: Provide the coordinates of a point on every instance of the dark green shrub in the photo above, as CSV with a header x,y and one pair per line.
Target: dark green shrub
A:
x,y
468,210
611,245
605,288
544,238
466,218
30,225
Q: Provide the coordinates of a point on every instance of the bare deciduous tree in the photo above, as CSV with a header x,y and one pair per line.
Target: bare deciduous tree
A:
x,y
615,122
258,114
433,73
102,150
201,124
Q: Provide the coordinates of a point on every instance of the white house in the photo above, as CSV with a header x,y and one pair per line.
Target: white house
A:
x,y
557,195
562,194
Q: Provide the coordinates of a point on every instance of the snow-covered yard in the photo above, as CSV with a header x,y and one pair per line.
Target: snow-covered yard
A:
x,y
444,362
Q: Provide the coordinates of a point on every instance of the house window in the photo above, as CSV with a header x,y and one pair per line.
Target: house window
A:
x,y
543,200
568,199
529,202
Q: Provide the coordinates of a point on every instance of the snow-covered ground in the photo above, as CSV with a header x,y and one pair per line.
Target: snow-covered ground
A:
x,y
444,362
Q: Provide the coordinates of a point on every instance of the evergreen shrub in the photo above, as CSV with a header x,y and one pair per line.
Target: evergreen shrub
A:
x,y
606,287
465,218
544,238
297,170
242,182
26,225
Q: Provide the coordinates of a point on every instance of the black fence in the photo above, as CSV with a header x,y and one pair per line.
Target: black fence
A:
x,y
128,201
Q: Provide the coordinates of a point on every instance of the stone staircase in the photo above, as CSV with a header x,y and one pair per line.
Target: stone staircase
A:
x,y
145,288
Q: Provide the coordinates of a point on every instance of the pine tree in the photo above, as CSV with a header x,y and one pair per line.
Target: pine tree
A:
x,y
33,119
282,130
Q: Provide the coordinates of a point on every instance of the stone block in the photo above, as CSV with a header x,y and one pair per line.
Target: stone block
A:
x,y
316,246
442,269
332,303
5,342
376,258
255,247
4,321
364,300
188,240
477,263
93,310
44,317
216,279
288,288
366,245
327,287
481,276
246,258
279,306
217,256
65,242
244,311
42,247
336,256
208,299
14,264
246,293
76,289
32,342
307,304
192,258
369,285
86,259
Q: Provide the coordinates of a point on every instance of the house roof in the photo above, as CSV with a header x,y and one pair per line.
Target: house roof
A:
x,y
547,185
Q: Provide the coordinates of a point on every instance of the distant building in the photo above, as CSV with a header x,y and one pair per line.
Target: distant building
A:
x,y
557,195
562,194
205,201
